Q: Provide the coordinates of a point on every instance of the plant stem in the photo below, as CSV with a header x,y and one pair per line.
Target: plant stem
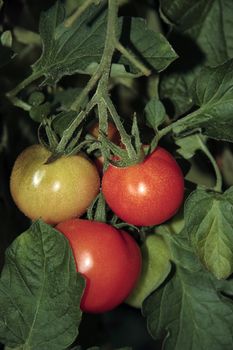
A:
x,y
132,59
109,49
105,63
104,68
125,138
23,84
26,37
79,11
179,122
218,186
90,85
68,133
21,104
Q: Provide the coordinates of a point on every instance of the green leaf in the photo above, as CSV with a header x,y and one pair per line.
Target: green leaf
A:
x,y
155,113
201,34
176,238
209,223
79,48
40,291
213,92
152,48
190,313
69,50
6,38
189,145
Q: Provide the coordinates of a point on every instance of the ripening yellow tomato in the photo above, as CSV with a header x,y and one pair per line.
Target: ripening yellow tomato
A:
x,y
56,191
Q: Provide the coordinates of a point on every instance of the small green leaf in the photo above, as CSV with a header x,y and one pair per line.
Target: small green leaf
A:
x,y
69,50
152,48
6,38
189,145
155,113
190,313
176,238
209,223
155,268
201,34
40,291
213,93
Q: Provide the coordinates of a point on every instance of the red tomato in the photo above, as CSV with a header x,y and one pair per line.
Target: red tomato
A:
x,y
113,133
145,194
53,192
109,259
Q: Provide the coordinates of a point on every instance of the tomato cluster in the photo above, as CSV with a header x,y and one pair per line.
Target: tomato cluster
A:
x,y
59,192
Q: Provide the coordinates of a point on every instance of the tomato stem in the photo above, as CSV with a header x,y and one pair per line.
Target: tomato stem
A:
x,y
79,11
34,76
180,125
133,59
218,185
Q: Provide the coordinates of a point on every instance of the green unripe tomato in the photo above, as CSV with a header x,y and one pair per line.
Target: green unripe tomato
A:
x,y
54,192
176,224
155,268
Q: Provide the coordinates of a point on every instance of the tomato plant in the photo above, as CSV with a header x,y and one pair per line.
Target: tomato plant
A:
x,y
145,86
55,191
145,194
109,259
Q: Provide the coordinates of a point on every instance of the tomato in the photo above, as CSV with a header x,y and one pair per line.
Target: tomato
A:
x,y
109,259
53,192
113,134
156,266
145,194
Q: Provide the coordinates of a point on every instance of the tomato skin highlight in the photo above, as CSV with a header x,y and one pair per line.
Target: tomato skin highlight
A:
x,y
56,191
145,194
109,259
